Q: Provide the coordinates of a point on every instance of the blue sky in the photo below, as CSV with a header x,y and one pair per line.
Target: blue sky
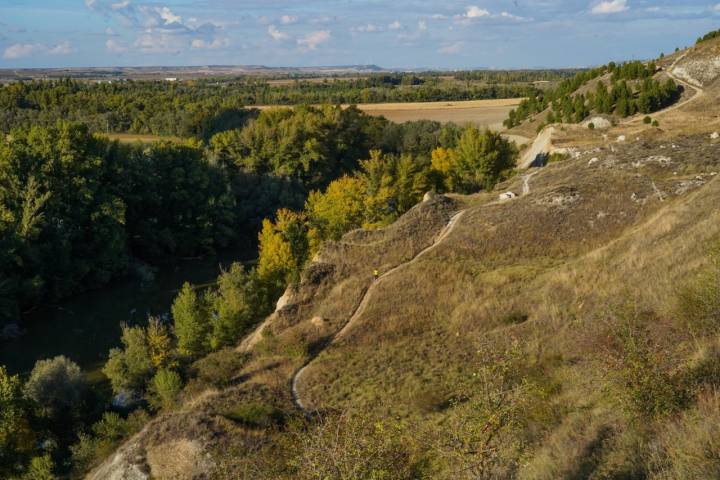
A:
x,y
399,33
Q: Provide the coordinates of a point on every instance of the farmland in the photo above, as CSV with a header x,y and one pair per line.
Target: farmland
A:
x,y
484,113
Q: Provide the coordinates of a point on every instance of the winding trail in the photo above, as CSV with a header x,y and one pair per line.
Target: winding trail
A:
x,y
297,400
699,92
342,333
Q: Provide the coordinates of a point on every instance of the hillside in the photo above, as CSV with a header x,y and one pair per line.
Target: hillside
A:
x,y
552,335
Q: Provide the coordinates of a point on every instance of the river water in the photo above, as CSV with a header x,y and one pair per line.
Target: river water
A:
x,y
86,326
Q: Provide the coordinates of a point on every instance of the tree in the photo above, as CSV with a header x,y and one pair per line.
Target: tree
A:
x,y
129,368
336,211
13,423
56,385
284,248
235,303
160,344
165,388
482,157
192,324
41,468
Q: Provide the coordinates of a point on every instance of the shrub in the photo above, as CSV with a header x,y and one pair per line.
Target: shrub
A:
x,y
655,123
165,388
219,368
699,300
591,126
56,385
649,389
647,120
192,325
688,447
41,468
354,447
255,415
106,435
130,368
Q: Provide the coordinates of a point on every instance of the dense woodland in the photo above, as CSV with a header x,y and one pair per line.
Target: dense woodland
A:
x,y
630,89
200,109
77,210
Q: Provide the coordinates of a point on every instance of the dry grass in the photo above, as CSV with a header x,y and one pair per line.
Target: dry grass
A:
x,y
143,138
485,113
549,270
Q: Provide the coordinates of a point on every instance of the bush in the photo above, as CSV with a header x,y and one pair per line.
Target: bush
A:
x,y
688,447
699,301
130,368
644,375
256,415
56,385
591,126
106,435
41,468
655,123
647,120
219,368
165,388
192,325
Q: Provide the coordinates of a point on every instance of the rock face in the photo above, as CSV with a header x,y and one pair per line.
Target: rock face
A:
x,y
430,196
507,196
598,122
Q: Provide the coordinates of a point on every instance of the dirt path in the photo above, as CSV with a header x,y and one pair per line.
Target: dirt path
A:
x,y
699,92
363,305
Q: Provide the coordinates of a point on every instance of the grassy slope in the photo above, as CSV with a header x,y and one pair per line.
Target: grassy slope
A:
x,y
555,271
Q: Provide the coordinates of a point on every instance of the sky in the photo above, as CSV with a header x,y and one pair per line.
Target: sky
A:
x,y
442,34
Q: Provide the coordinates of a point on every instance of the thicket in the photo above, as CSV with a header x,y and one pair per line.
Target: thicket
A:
x,y
709,36
128,205
632,90
200,108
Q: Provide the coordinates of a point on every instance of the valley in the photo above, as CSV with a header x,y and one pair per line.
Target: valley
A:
x,y
336,273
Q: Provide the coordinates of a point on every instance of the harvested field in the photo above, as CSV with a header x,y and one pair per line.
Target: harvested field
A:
x,y
484,113
132,137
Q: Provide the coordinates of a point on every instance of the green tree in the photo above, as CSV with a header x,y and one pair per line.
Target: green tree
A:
x,y
165,388
130,368
14,432
56,385
192,324
482,157
336,211
236,303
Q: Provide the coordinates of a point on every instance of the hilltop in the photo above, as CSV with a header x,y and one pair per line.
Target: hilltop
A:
x,y
551,334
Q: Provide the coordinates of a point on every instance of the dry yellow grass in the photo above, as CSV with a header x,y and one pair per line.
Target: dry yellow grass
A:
x,y
484,113
144,138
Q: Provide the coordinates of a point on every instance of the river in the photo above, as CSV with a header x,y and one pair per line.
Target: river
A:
x,y
86,326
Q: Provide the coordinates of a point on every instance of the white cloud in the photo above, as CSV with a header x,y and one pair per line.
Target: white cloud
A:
x,y
22,50
369,28
90,3
452,49
313,39
610,6
117,6
288,19
422,25
167,15
159,43
716,8
115,46
199,43
476,12
64,48
276,34
396,25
